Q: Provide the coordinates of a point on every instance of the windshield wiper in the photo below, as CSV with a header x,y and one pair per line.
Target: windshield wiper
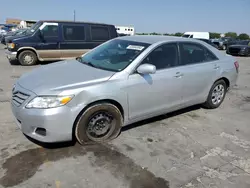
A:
x,y
85,62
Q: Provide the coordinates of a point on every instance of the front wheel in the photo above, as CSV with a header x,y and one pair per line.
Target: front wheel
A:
x,y
99,123
216,95
224,47
27,58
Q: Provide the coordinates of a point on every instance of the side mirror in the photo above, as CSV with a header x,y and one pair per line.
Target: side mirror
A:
x,y
146,69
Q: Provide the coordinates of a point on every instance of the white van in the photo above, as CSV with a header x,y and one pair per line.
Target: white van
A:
x,y
196,35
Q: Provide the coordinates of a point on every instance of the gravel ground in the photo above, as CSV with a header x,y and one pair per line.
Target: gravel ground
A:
x,y
194,147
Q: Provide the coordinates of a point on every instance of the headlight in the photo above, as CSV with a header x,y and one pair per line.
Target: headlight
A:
x,y
11,45
44,102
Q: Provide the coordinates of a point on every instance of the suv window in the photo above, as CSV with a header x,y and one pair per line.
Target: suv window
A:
x,y
192,53
50,31
100,33
164,56
74,32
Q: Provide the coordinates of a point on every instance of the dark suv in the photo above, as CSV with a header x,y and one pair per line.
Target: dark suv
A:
x,y
224,42
57,40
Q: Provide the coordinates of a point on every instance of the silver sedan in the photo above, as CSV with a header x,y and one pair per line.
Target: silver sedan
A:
x,y
120,82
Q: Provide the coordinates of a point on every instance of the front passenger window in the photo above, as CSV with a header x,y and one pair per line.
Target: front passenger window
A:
x,y
163,57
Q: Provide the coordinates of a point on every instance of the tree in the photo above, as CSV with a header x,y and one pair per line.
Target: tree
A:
x,y
243,36
154,33
178,34
231,34
214,35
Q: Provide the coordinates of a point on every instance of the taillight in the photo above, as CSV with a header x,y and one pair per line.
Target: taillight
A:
x,y
236,64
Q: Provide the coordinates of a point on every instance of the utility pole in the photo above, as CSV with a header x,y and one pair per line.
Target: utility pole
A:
x,y
74,15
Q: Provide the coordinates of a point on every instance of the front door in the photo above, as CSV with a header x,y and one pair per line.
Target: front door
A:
x,y
157,93
49,46
199,67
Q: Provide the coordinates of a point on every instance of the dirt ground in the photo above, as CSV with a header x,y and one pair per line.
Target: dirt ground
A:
x,y
193,147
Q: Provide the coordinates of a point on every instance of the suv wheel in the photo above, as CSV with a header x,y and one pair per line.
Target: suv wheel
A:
x,y
99,123
27,58
216,95
224,47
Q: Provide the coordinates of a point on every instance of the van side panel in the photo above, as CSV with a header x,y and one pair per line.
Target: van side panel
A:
x,y
74,48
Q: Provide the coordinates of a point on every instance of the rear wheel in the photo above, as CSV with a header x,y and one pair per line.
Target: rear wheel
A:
x,y
216,95
27,58
99,123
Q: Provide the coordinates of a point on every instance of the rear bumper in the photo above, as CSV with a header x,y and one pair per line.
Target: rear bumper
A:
x,y
11,55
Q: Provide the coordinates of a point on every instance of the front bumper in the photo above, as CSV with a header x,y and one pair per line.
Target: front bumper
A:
x,y
57,122
11,55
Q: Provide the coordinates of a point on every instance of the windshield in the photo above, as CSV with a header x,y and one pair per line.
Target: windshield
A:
x,y
33,28
186,36
114,55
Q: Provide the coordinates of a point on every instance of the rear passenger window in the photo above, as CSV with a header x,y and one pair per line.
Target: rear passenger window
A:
x,y
192,53
99,33
73,32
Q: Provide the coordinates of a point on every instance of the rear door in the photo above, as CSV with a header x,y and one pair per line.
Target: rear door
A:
x,y
199,67
48,47
74,40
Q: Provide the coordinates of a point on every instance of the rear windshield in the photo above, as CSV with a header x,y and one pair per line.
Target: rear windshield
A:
x,y
115,55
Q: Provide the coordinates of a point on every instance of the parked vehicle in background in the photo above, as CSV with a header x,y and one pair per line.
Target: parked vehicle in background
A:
x,y
209,42
4,31
12,33
124,30
242,48
27,23
197,35
57,40
93,96
224,42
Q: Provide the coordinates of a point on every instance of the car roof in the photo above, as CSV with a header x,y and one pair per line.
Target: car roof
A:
x,y
76,22
151,39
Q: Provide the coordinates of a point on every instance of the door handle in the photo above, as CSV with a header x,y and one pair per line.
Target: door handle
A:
x,y
178,75
216,67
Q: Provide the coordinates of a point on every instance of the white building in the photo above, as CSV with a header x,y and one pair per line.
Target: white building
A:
x,y
26,23
125,30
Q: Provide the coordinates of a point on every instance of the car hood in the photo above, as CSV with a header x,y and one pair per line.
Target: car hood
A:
x,y
11,38
238,46
62,76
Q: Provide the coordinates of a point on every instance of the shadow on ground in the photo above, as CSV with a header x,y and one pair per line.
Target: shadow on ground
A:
x,y
162,117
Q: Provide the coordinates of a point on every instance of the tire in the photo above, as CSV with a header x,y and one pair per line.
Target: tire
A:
x,y
224,47
27,58
215,100
84,130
